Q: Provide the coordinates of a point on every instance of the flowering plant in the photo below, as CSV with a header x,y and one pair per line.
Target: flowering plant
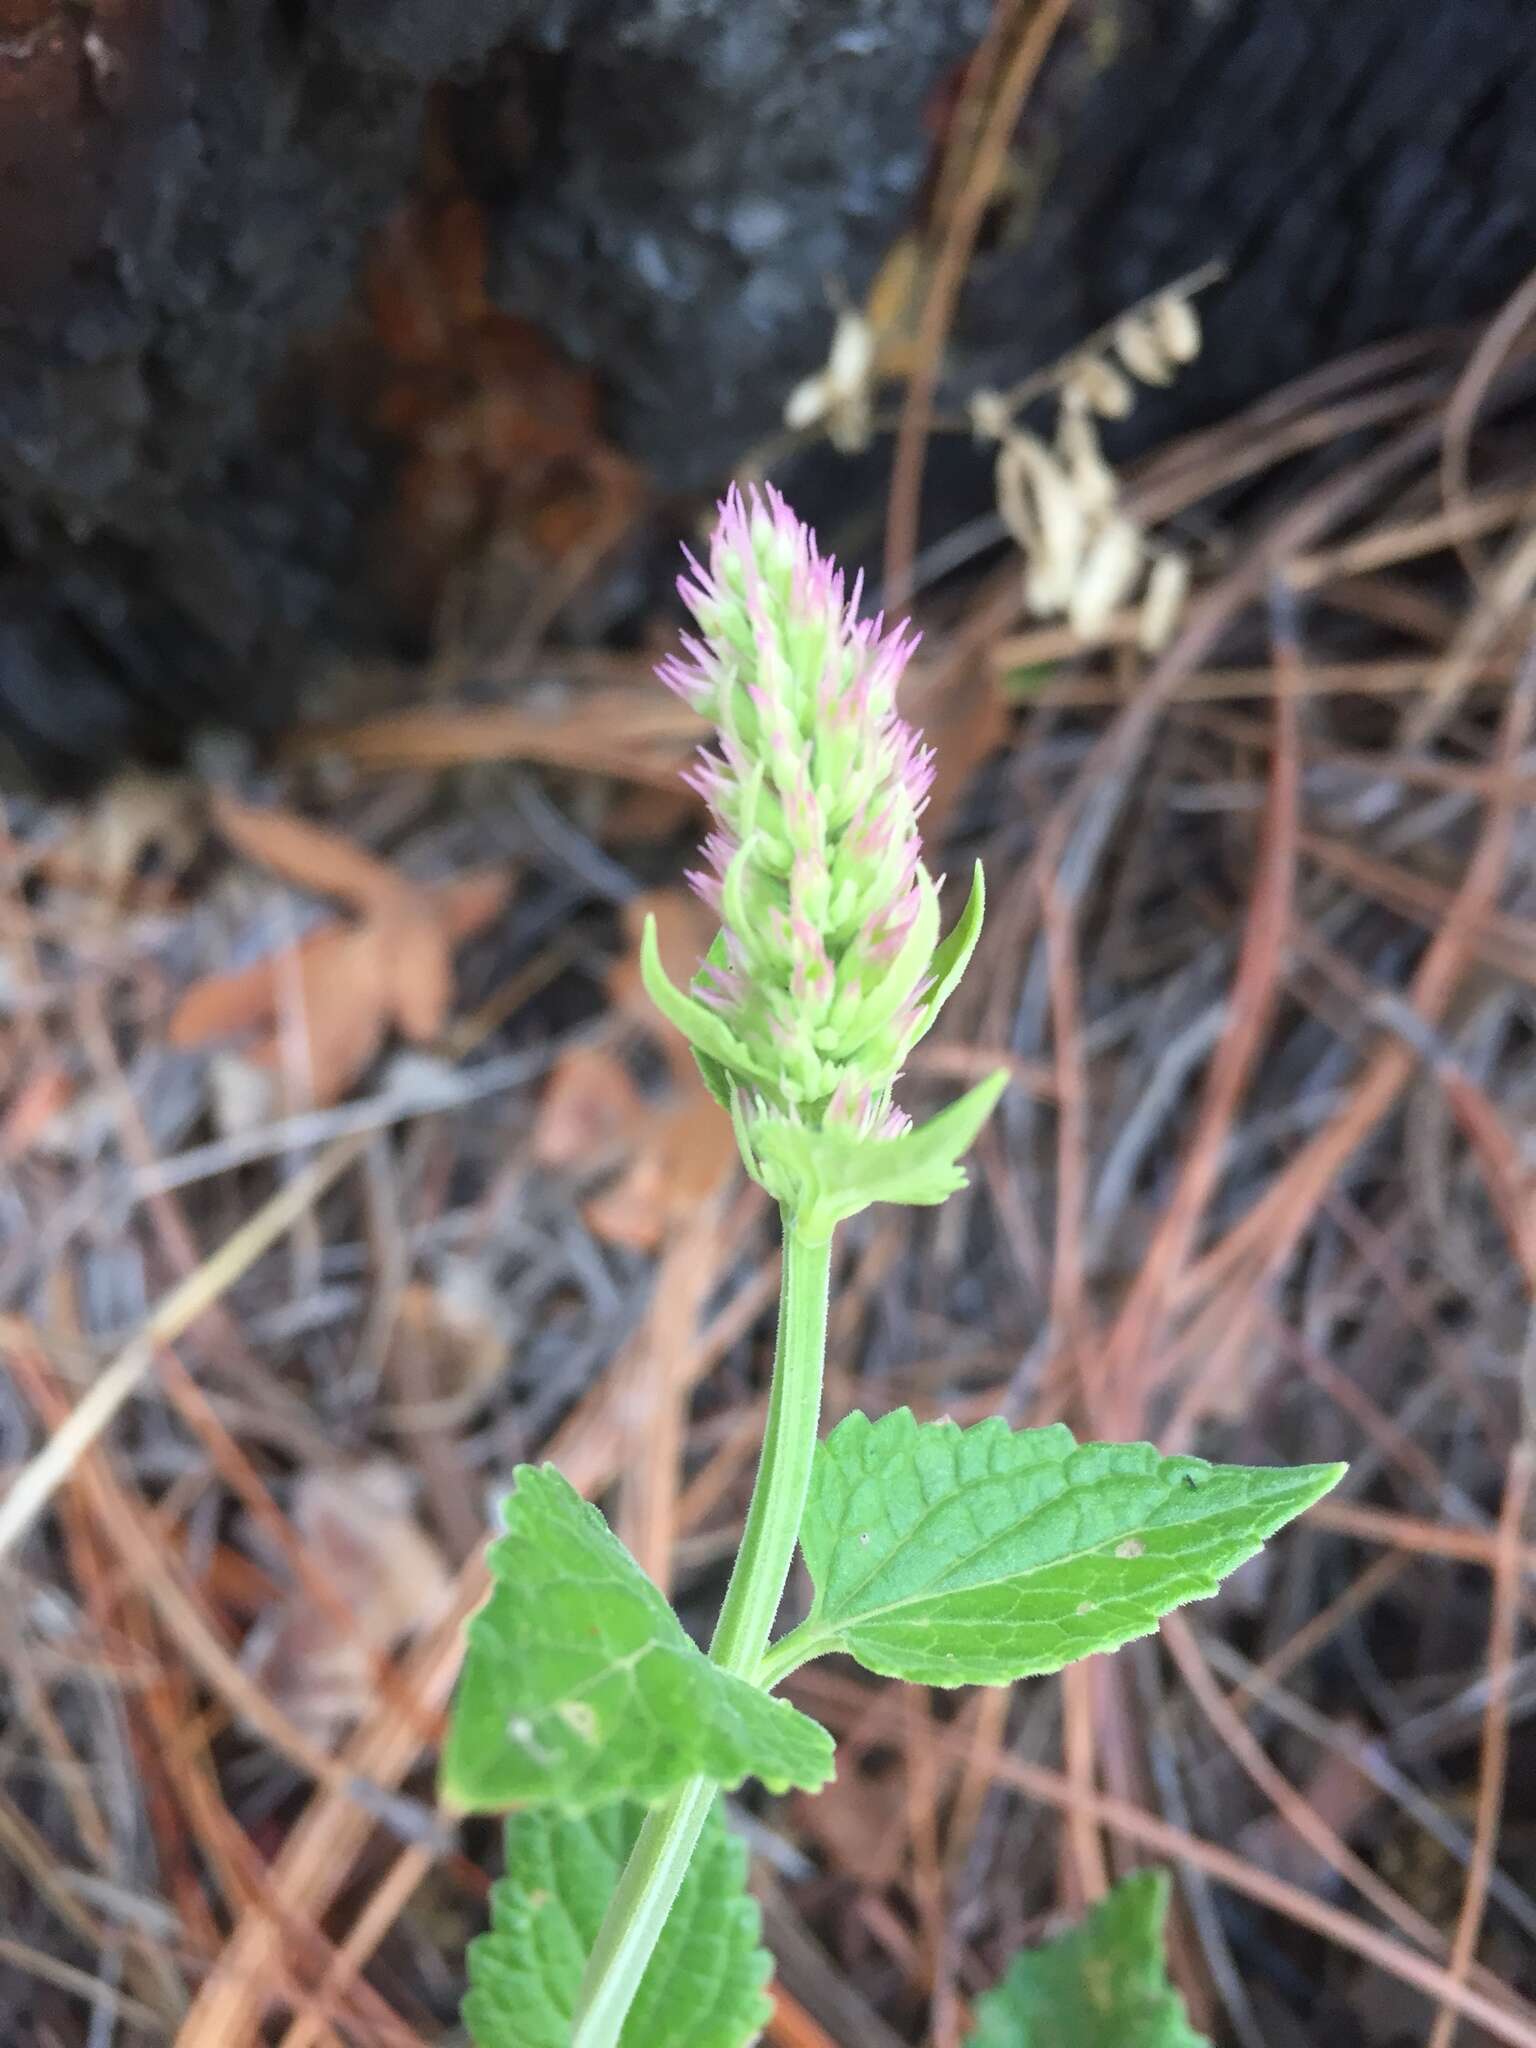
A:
x,y
941,1555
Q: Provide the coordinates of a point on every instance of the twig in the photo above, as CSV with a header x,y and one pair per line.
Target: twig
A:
x,y
962,228
1495,1754
1514,2022
37,1482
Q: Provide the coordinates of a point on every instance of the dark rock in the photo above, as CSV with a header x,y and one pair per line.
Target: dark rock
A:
x,y
669,185
181,513
169,535
712,167
1362,171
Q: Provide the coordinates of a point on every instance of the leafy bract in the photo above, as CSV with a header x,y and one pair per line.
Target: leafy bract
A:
x,y
1102,1985
580,1685
954,1556
704,1984
823,1176
951,957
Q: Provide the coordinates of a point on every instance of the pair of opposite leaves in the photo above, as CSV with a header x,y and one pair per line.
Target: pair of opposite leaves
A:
x,y
937,1555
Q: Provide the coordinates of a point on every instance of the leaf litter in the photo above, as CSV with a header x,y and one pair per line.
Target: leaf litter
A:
x,y
1351,1283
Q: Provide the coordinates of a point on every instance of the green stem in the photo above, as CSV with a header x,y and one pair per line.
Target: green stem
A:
x,y
639,1907
784,1473
783,1658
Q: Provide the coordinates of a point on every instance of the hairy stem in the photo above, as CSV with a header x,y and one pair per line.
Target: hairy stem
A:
x,y
659,1860
785,1657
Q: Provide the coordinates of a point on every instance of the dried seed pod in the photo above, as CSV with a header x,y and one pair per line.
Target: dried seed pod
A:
x,y
1040,508
851,423
1047,588
1107,577
839,394
1163,603
1077,443
991,419
1094,381
1177,327
806,405
1014,504
850,372
1141,350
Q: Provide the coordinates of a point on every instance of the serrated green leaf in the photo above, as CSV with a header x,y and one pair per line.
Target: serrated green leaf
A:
x,y
1103,1985
704,1984
956,1556
580,1685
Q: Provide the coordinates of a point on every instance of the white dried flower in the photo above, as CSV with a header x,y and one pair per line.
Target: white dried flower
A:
x,y
991,416
1177,327
1107,577
1077,443
1092,381
839,396
1042,511
1163,604
1141,349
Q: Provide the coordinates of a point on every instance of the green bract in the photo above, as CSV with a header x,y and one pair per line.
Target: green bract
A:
x,y
829,966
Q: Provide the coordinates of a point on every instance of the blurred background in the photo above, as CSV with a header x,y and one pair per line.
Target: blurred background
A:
x,y
362,367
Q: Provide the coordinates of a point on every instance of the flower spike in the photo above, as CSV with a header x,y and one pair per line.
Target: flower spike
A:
x,y
829,966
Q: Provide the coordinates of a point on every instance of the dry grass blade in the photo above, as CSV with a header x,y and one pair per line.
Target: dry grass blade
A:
x,y
1298,1812
306,855
1261,968
633,735
34,1486
1495,1755
1037,27
1248,1012
1271,1227
1507,2020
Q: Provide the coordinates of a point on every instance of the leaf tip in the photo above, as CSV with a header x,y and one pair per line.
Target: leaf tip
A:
x,y
1320,1480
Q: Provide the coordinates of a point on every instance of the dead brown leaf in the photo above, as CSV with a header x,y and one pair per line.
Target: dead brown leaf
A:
x,y
456,1328
676,1154
635,736
334,1022
685,1154
364,1539
418,967
36,1103
591,1112
308,856
860,1821
344,985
